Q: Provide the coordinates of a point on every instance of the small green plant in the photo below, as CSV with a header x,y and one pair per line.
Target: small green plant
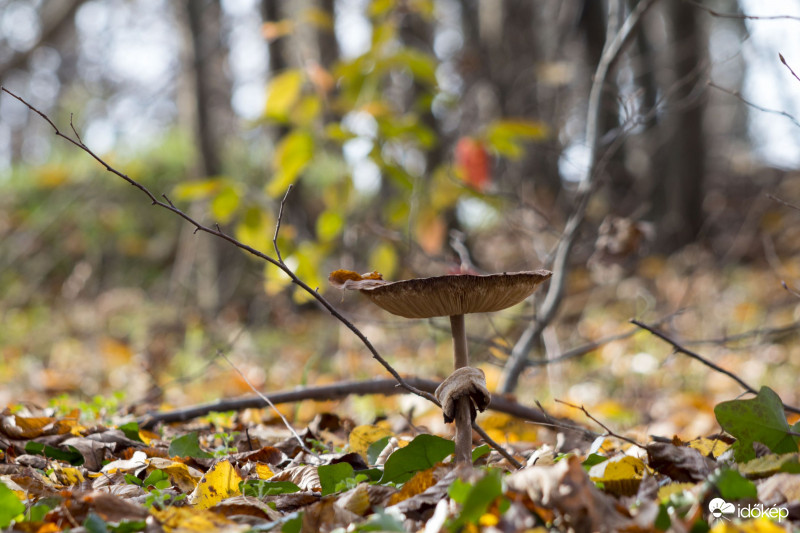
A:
x,y
157,485
226,447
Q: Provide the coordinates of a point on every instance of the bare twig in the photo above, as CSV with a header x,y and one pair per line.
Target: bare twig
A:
x,y
169,206
609,433
789,289
680,349
785,64
783,202
217,232
267,401
615,43
742,16
738,95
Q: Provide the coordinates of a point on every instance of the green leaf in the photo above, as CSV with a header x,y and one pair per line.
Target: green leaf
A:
x,y
480,451
760,419
258,488
291,157
376,448
133,480
129,526
506,136
156,477
36,513
10,506
593,459
71,455
477,499
282,93
331,475
188,446
733,486
421,453
95,524
131,430
293,525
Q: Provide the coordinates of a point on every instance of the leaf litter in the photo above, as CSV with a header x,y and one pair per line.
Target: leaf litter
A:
x,y
58,475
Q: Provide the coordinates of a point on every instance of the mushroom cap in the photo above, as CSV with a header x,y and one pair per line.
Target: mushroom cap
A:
x,y
446,295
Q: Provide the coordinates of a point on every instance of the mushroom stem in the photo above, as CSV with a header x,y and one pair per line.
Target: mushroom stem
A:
x,y
463,418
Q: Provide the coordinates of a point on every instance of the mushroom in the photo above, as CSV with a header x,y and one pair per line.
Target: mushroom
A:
x,y
464,390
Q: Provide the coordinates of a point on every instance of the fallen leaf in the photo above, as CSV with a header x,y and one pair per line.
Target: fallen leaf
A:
x,y
186,520
219,483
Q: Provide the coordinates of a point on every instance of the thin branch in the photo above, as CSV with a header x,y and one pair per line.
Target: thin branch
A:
x,y
609,433
613,48
266,400
741,16
785,64
169,206
680,349
789,289
783,202
738,95
278,224
494,444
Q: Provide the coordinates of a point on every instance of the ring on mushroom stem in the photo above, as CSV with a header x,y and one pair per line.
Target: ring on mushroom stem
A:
x,y
454,296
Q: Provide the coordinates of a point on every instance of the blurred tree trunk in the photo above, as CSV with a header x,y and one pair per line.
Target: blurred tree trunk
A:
x,y
677,195
208,89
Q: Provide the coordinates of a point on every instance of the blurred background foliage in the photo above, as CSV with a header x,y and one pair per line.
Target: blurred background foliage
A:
x,y
422,137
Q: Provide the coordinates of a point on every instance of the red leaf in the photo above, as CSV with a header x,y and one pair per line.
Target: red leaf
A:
x,y
472,163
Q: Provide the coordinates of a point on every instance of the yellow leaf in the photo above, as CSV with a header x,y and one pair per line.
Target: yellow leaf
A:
x,y
186,519
362,437
329,225
709,447
769,464
383,258
221,482
419,483
225,204
282,93
761,525
263,471
196,189
620,475
291,157
66,475
182,476
666,491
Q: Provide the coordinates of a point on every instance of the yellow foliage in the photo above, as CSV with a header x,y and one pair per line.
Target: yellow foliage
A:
x,y
362,437
186,519
709,447
221,482
761,525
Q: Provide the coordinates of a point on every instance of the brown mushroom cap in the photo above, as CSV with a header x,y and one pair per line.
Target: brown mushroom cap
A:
x,y
449,295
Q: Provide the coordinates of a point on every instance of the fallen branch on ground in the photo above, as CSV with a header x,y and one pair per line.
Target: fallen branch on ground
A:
x,y
680,349
336,391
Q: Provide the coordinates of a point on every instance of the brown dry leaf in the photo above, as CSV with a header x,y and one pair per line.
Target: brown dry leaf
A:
x,y
566,488
76,507
305,477
362,437
246,505
93,451
219,483
21,427
779,488
679,463
186,519
268,454
326,515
